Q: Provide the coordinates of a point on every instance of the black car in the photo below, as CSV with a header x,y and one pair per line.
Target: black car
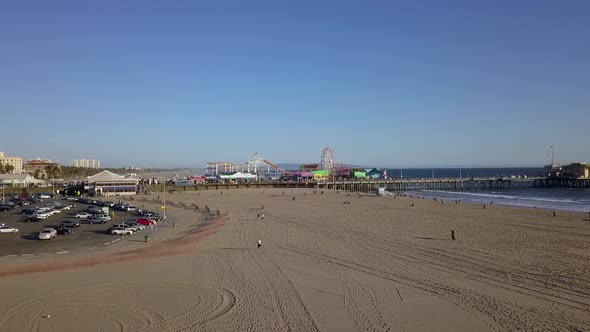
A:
x,y
33,219
5,208
69,224
29,211
64,230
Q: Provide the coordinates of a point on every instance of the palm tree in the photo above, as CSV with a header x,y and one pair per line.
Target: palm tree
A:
x,y
48,172
55,171
8,168
37,173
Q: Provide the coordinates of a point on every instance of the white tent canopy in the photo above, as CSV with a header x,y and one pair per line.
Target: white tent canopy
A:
x,y
238,176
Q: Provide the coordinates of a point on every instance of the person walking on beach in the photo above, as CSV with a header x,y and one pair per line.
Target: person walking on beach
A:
x,y
262,216
259,243
453,234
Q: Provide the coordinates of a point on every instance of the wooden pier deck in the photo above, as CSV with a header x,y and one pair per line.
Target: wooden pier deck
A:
x,y
450,184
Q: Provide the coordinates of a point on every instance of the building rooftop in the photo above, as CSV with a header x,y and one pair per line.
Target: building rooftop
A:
x,y
108,176
21,176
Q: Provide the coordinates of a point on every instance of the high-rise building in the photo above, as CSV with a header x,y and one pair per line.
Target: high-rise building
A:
x,y
86,163
15,162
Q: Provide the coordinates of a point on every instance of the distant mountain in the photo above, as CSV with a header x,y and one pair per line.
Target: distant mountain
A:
x,y
289,167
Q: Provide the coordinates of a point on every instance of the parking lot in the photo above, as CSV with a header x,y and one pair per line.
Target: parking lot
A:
x,y
87,237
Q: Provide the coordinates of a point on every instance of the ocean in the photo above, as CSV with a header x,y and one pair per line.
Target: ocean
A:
x,y
565,199
427,173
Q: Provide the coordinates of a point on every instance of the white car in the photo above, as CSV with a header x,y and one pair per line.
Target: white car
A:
x,y
47,234
43,196
122,231
8,229
41,215
84,215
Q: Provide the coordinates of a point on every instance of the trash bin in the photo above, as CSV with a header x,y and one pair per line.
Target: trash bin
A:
x,y
146,238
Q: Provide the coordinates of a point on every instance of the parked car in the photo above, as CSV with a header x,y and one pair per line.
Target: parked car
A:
x,y
64,230
119,230
103,216
131,208
92,209
44,195
95,220
145,221
137,227
8,229
120,207
5,208
34,218
47,234
29,211
84,215
41,215
70,224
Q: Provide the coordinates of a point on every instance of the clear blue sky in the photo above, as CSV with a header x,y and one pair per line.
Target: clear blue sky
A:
x,y
386,83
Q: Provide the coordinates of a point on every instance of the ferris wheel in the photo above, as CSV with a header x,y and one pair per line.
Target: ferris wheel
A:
x,y
328,158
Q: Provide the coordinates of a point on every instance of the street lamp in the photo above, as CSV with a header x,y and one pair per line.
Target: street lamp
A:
x,y
164,203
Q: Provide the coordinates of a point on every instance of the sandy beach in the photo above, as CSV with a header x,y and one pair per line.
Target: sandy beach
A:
x,y
328,262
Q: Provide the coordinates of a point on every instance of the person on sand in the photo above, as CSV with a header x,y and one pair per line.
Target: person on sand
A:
x,y
453,235
262,216
259,243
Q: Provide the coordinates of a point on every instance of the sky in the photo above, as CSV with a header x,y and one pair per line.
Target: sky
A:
x,y
384,83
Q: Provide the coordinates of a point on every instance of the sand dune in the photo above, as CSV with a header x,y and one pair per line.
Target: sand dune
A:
x,y
376,264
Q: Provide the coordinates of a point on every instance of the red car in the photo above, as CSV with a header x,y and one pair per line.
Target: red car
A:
x,y
144,221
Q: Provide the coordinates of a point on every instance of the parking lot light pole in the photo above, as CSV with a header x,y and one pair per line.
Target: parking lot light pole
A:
x,y
164,204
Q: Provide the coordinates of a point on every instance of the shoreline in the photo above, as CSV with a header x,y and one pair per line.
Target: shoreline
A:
x,y
512,198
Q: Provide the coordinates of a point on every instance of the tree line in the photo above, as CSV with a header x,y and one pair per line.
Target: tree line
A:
x,y
73,172
6,168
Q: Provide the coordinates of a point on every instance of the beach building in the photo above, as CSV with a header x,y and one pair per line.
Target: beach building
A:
x,y
573,171
22,180
15,162
359,174
107,183
321,174
86,163
373,173
309,167
39,165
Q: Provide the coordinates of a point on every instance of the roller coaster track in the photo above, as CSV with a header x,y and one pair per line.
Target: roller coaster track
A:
x,y
264,161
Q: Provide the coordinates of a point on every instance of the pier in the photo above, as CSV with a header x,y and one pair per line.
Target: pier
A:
x,y
450,184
